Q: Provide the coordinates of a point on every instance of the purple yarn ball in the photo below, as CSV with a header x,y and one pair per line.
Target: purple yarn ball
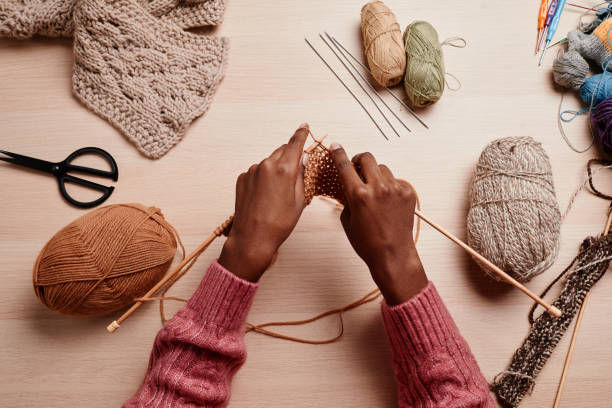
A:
x,y
601,118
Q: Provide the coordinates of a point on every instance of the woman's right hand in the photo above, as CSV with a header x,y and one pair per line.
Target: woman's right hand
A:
x,y
378,220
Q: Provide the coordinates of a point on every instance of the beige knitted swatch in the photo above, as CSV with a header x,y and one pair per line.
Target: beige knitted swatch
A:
x,y
134,65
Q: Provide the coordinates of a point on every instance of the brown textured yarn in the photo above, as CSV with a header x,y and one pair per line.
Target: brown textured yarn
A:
x,y
546,331
321,177
134,64
383,45
105,259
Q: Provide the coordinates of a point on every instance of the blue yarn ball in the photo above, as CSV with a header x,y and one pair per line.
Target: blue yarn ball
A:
x,y
602,82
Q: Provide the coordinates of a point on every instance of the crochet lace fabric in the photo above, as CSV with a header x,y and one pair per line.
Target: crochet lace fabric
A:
x,y
134,64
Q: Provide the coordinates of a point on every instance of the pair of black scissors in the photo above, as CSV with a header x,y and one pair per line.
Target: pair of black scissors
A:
x,y
61,169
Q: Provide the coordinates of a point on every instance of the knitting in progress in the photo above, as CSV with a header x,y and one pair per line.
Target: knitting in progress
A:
x,y
514,218
134,65
585,270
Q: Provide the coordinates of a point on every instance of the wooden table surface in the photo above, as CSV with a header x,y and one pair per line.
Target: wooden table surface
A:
x,y
273,83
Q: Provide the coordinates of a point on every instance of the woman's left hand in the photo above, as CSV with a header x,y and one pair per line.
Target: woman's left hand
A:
x,y
269,202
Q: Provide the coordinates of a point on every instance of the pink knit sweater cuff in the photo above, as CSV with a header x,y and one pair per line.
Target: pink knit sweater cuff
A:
x,y
222,299
419,325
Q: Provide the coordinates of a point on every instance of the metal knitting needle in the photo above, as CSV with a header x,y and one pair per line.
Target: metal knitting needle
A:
x,y
388,90
361,86
347,88
366,80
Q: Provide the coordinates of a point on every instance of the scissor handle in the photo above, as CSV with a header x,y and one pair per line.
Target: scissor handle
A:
x,y
66,178
62,168
66,167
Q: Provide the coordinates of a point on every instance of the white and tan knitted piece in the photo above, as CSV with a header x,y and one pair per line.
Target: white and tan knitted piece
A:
x,y
134,64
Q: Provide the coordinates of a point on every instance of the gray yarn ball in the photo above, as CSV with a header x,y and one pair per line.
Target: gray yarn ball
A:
x,y
570,70
514,219
589,46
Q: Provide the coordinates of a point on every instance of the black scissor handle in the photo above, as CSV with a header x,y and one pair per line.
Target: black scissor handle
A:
x,y
64,167
66,178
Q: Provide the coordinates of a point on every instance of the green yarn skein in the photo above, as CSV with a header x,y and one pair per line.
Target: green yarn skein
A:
x,y
424,78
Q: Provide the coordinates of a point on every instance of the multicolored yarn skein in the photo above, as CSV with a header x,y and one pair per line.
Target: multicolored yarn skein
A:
x,y
514,218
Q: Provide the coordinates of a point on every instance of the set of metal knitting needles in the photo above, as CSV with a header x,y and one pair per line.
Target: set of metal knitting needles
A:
x,y
346,57
552,310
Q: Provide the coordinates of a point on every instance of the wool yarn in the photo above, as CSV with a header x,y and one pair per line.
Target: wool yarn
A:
x,y
596,89
570,69
424,79
102,261
514,219
135,65
545,332
601,119
382,41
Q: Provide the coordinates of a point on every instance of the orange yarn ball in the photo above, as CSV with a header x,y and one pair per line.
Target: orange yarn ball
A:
x,y
105,259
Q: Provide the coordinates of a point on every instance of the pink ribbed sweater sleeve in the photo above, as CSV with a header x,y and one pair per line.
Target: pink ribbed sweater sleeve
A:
x,y
199,350
196,354
433,364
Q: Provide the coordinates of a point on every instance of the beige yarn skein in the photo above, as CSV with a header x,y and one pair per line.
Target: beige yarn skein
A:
x,y
383,45
514,218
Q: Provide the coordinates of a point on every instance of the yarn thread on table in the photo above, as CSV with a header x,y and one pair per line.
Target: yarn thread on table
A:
x,y
105,259
514,218
382,41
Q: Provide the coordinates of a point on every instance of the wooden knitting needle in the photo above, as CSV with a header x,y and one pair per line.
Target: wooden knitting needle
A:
x,y
552,310
117,323
570,350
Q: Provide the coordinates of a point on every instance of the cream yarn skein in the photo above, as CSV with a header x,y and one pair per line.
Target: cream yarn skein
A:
x,y
383,45
514,218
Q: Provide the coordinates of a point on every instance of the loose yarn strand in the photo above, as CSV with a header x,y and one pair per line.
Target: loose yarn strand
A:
x,y
588,180
369,297
457,42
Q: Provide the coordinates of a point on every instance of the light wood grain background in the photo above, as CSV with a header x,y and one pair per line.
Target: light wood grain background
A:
x,y
273,83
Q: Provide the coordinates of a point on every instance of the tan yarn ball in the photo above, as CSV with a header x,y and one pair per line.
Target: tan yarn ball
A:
x,y
105,259
382,41
514,219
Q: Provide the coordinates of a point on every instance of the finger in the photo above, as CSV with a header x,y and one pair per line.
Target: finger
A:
x,y
368,167
386,172
295,146
277,154
348,176
241,184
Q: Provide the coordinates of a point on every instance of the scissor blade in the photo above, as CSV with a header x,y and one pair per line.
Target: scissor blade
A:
x,y
30,162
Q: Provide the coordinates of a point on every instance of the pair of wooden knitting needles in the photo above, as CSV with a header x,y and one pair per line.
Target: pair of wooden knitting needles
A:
x,y
342,54
570,350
